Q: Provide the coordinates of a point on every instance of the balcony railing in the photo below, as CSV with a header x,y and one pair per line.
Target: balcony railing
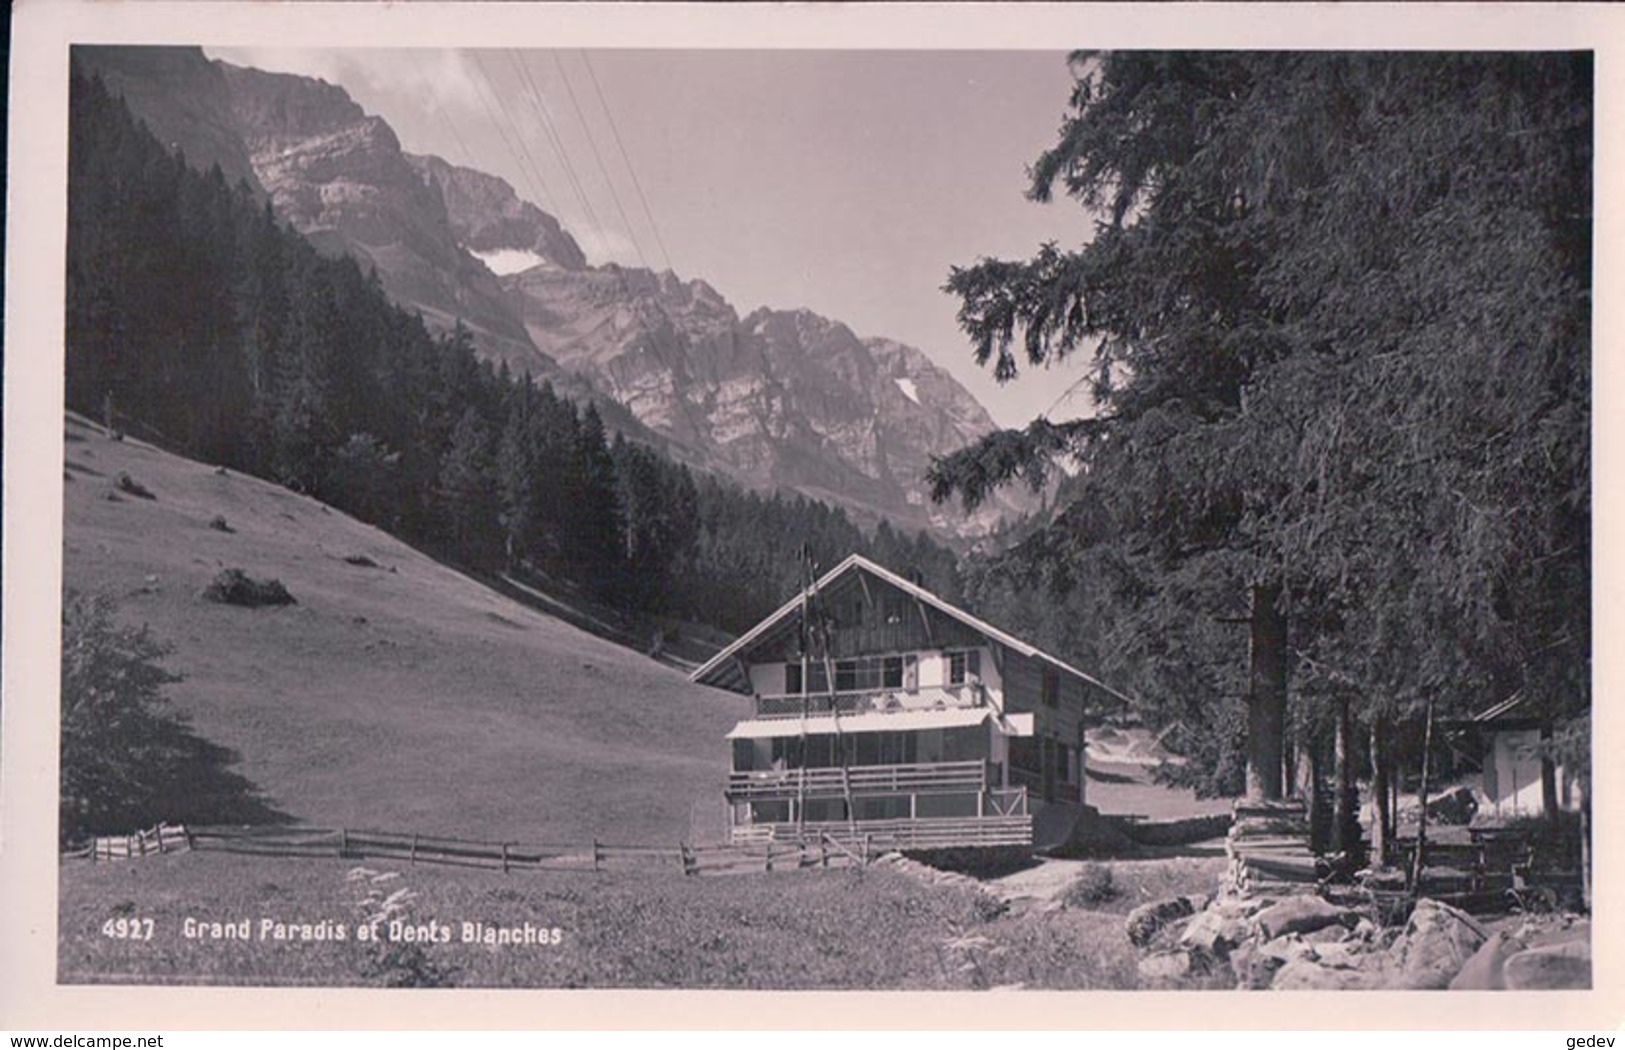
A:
x,y
871,701
869,837
919,778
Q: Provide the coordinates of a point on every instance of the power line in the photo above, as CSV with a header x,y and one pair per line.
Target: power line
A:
x,y
630,170
434,100
539,103
525,163
609,181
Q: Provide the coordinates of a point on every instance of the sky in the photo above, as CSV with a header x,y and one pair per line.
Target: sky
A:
x,y
845,182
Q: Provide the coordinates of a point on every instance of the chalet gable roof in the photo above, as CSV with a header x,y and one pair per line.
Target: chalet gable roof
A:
x,y
722,669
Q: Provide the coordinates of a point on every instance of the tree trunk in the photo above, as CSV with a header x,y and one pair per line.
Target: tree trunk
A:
x,y
1382,825
1266,707
1422,816
1307,786
1585,851
1345,818
1548,777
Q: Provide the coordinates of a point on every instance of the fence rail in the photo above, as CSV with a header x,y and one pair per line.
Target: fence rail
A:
x,y
165,838
821,846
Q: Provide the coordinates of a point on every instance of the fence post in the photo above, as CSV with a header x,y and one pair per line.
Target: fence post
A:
x,y
504,858
823,849
769,854
413,856
866,849
344,842
689,865
595,855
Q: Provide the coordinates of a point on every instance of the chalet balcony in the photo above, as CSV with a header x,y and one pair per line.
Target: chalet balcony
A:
x,y
872,836
872,701
916,778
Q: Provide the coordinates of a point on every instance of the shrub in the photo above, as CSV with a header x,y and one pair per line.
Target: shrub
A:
x,y
236,587
218,524
1094,885
128,761
987,907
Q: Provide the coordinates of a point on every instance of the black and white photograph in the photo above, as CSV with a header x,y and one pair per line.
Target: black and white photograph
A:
x,y
558,513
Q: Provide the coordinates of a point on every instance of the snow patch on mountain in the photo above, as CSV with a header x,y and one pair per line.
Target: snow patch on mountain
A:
x,y
909,390
504,261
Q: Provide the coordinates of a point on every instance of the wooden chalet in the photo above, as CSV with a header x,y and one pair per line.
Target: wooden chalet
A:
x,y
883,711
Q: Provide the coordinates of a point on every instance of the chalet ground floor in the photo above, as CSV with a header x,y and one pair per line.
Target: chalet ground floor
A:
x,y
930,779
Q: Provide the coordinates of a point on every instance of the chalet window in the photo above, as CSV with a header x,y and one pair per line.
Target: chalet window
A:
x,y
891,672
815,682
1050,688
964,666
869,672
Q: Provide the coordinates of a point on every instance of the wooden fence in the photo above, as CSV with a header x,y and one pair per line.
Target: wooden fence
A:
x,y
165,838
817,850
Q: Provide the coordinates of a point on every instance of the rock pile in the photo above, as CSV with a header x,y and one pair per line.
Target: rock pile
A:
x,y
1301,941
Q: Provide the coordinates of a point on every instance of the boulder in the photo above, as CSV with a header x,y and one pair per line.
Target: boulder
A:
x,y
1144,922
1557,966
1301,914
1165,966
1307,975
1347,955
1216,931
1365,930
1437,942
1331,933
1290,948
1252,967
1483,970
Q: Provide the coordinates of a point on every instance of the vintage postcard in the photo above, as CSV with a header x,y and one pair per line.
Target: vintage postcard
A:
x,y
673,501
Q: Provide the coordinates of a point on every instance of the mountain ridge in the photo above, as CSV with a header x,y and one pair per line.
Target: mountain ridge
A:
x,y
775,399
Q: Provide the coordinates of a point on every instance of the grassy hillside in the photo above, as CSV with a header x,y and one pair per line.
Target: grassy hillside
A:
x,y
402,695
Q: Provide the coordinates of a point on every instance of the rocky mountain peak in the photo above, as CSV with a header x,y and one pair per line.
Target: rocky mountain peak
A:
x,y
283,106
493,222
779,399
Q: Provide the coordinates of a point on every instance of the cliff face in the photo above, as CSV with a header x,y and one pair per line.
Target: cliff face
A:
x,y
776,399
490,220
339,176
182,97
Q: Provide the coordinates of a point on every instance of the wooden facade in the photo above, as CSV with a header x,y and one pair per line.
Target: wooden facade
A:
x,y
876,702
